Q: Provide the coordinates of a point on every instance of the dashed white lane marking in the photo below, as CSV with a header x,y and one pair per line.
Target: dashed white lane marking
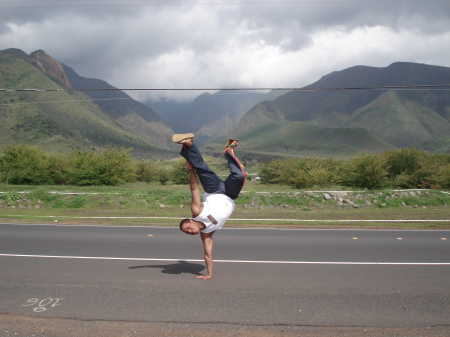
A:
x,y
232,261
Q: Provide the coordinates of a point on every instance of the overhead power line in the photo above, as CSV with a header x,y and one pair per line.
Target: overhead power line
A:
x,y
228,91
389,87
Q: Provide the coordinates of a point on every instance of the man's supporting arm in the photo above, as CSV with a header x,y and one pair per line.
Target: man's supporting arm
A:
x,y
207,246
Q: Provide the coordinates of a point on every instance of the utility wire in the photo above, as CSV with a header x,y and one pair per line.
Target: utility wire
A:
x,y
410,87
389,87
69,101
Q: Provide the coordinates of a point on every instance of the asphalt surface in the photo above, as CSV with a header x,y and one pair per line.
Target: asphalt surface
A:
x,y
372,278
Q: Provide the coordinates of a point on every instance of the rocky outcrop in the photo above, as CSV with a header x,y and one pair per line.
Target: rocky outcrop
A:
x,y
49,66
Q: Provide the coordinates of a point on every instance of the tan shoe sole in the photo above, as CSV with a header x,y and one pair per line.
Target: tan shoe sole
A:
x,y
181,138
231,140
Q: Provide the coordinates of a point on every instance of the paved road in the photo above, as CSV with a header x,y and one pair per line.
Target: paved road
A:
x,y
378,278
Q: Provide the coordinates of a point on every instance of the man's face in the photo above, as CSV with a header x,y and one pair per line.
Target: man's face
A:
x,y
191,228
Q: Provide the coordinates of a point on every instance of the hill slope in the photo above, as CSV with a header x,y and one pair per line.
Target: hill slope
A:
x,y
209,116
391,118
400,121
130,114
272,136
56,121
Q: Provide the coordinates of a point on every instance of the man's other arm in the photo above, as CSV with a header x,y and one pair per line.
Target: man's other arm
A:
x,y
196,204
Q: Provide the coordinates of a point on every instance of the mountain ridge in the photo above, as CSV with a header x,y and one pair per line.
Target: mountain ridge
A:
x,y
130,114
59,119
393,118
295,123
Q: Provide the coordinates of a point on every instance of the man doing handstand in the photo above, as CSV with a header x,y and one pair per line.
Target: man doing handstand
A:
x,y
209,215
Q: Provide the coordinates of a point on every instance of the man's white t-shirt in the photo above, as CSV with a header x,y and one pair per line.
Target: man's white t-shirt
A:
x,y
217,208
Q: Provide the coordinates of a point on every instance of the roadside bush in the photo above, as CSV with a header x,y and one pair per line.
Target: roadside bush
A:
x,y
440,171
272,172
59,168
110,167
301,173
147,171
25,165
163,176
365,171
179,173
408,168
442,177
404,161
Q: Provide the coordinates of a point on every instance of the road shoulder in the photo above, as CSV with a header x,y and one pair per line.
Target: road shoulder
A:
x,y
18,325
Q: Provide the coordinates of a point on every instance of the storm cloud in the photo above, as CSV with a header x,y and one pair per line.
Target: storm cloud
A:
x,y
222,44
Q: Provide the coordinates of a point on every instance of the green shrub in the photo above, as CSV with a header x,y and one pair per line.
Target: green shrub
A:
x,y
110,167
365,171
271,172
59,203
179,173
441,158
77,202
25,165
147,171
163,176
405,161
10,198
41,194
59,167
408,168
301,173
442,177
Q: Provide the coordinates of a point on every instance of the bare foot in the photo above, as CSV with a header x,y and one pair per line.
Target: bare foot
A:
x,y
189,142
231,146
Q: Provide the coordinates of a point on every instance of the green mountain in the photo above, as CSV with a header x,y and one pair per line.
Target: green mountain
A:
x,y
264,135
401,120
338,123
213,115
210,116
344,122
131,115
63,120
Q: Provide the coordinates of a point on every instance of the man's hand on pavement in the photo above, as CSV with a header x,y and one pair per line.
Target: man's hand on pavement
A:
x,y
204,277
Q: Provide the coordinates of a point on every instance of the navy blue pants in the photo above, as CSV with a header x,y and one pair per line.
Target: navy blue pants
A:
x,y
210,181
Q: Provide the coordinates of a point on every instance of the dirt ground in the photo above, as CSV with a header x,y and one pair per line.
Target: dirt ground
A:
x,y
23,326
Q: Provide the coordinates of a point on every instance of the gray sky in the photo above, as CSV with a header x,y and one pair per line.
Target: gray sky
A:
x,y
223,44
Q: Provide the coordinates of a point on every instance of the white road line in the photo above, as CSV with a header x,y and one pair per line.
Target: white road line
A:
x,y
179,218
233,261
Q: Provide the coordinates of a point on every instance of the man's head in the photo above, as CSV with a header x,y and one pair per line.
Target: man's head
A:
x,y
191,227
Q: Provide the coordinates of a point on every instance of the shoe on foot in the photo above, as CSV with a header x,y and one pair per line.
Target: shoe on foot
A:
x,y
181,138
230,144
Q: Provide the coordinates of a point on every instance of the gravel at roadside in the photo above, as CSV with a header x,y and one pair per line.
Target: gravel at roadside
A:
x,y
23,326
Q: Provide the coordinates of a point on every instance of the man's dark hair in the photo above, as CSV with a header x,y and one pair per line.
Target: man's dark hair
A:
x,y
183,222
